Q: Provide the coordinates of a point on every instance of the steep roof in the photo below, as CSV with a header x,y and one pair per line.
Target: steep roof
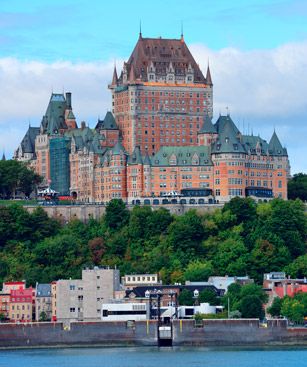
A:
x,y
118,148
208,76
135,157
222,121
28,142
43,290
183,156
207,126
161,52
252,143
108,123
227,141
54,118
275,147
146,160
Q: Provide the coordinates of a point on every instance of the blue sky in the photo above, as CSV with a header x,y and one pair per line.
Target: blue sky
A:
x,y
257,52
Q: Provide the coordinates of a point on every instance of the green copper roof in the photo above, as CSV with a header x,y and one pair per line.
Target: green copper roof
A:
x,y
182,156
253,143
28,142
146,160
228,141
71,115
275,147
135,157
54,118
222,121
118,148
107,123
207,126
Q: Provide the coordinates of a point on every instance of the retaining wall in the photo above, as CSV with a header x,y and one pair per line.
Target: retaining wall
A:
x,y
210,333
66,213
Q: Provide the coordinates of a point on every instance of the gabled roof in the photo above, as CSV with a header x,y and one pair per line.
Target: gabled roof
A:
x,y
108,123
207,126
71,115
251,143
184,156
275,147
161,52
118,149
135,157
28,142
146,160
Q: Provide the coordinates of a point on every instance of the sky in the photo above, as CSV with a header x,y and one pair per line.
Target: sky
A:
x,y
257,50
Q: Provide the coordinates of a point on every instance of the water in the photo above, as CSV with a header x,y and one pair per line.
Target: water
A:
x,y
154,357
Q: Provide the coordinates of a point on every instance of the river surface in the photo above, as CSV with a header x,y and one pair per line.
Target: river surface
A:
x,y
155,357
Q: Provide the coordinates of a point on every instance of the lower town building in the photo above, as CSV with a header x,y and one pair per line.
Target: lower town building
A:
x,y
43,304
277,284
81,299
22,305
129,281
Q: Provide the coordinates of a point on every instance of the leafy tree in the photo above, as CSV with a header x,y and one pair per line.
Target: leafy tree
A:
x,y
185,298
16,176
293,309
275,308
265,257
117,215
298,268
251,307
297,187
208,296
43,316
197,271
97,249
231,257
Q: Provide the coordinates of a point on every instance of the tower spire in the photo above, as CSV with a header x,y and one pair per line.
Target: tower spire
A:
x,y
140,33
208,76
115,78
181,36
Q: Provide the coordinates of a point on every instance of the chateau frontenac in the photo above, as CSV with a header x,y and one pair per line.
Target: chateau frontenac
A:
x,y
158,140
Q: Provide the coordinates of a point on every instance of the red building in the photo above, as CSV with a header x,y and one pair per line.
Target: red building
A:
x,y
21,304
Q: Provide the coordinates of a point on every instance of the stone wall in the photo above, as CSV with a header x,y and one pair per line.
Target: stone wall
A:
x,y
65,213
185,332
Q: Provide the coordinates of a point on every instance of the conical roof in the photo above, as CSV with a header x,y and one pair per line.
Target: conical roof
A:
x,y
207,126
228,141
275,147
115,78
208,77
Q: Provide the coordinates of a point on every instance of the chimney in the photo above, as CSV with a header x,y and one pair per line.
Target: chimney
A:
x,y
68,100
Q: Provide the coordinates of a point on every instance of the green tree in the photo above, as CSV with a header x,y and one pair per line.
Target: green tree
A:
x,y
43,316
298,268
251,307
197,271
185,298
297,187
275,309
117,215
293,309
208,296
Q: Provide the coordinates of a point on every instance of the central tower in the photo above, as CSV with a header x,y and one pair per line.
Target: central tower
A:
x,y
161,96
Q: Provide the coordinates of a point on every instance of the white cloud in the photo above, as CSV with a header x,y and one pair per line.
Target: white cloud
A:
x,y
264,88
